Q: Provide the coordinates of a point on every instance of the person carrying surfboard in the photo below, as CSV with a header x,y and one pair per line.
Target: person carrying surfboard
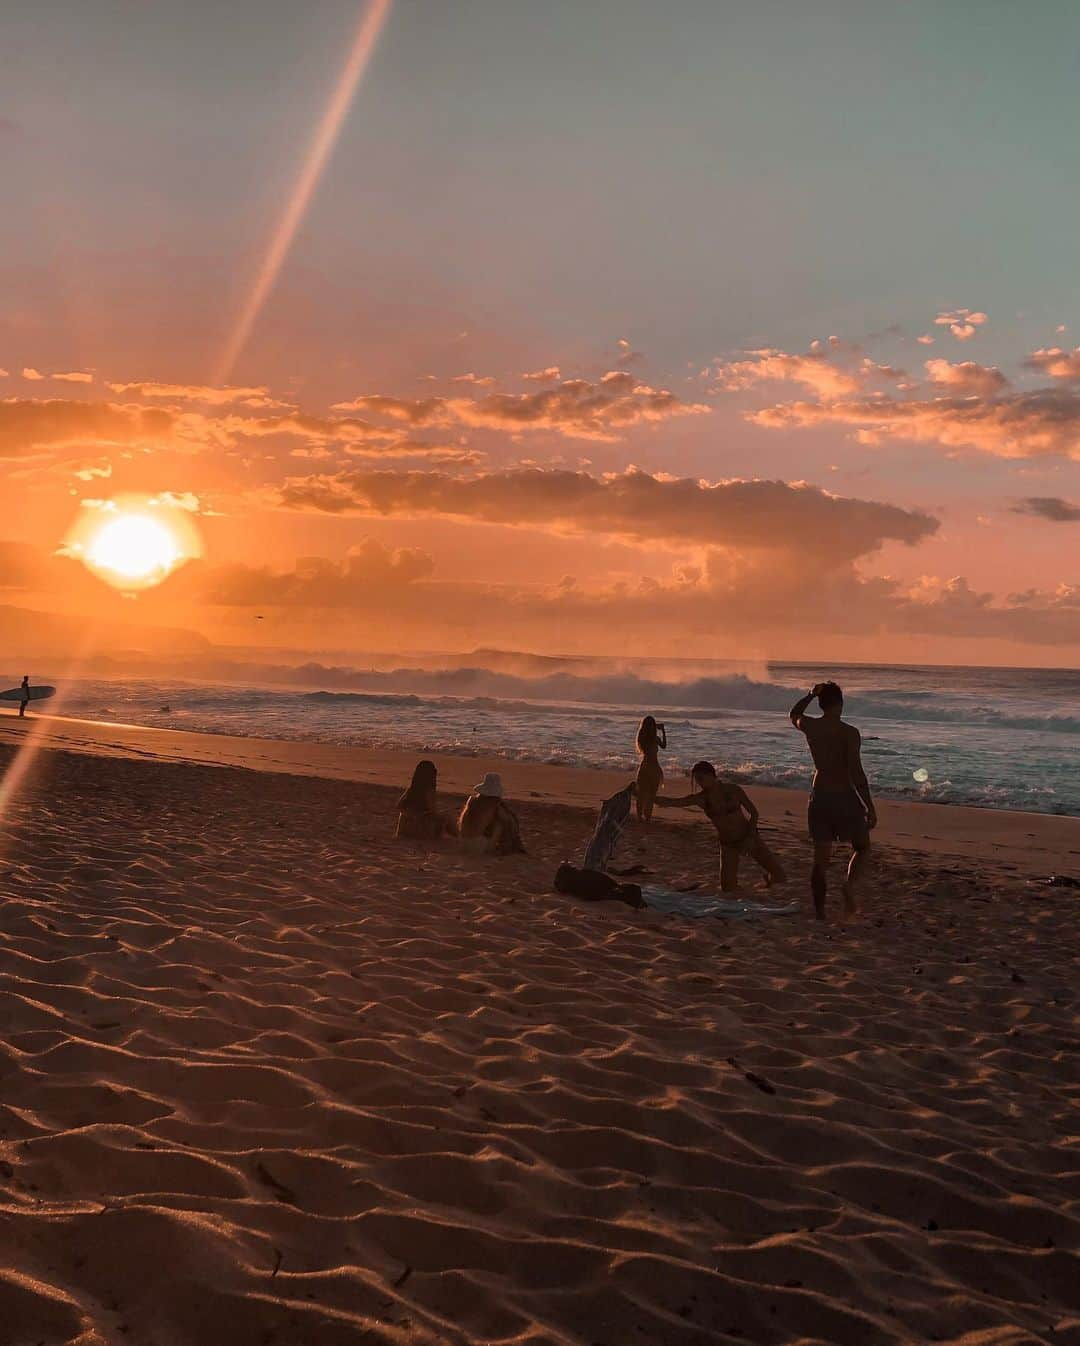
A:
x,y
24,694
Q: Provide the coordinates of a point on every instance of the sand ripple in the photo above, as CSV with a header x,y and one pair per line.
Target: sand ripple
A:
x,y
269,1078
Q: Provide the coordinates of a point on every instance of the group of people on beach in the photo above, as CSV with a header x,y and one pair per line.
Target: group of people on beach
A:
x,y
840,808
487,825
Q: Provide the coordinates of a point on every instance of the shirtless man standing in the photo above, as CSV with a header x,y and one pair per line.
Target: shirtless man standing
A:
x,y
841,808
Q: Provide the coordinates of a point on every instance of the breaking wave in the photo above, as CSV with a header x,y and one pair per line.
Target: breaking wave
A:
x,y
700,698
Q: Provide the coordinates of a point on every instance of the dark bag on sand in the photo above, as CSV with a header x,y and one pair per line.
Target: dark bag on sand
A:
x,y
592,886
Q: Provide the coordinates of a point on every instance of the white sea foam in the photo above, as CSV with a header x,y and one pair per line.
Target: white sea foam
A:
x,y
998,738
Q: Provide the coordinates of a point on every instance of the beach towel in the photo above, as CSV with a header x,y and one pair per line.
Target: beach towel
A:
x,y
614,815
674,903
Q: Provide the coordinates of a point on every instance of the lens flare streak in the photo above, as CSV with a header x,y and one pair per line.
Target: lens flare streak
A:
x,y
319,152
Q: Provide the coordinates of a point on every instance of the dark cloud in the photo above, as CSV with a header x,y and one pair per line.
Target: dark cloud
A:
x,y
367,570
1050,507
757,596
28,425
634,506
759,593
349,436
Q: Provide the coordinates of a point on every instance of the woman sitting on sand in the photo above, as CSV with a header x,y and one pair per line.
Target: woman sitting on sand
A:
x,y
488,825
419,818
734,815
651,737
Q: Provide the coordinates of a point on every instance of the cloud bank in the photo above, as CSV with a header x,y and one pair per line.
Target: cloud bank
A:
x,y
634,506
577,408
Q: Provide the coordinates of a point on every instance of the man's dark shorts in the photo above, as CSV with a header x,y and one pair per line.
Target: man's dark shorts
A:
x,y
838,815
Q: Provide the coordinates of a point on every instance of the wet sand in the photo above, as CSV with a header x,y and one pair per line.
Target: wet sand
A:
x,y
270,1077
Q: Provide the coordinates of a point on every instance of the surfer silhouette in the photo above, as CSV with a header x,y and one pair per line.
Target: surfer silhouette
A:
x,y
24,687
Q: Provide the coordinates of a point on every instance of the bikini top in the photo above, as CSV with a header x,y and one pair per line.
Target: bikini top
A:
x,y
728,804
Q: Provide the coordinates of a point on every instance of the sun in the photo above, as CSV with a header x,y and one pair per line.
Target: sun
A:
x,y
134,542
134,547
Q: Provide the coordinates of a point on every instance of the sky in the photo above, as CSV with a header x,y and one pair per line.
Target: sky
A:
x,y
731,328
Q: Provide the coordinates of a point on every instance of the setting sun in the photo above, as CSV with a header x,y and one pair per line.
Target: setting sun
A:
x,y
133,541
135,547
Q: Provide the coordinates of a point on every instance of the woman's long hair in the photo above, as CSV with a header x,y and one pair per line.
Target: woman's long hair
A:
x,y
647,736
424,779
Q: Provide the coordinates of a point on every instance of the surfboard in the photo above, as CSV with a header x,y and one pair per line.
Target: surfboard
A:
x,y
36,693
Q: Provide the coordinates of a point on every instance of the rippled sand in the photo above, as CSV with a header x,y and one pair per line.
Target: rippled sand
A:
x,y
270,1077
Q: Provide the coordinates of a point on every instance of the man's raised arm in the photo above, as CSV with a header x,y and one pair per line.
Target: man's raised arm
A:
x,y
798,710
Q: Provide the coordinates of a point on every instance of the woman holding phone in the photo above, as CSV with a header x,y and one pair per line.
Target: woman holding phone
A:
x,y
651,738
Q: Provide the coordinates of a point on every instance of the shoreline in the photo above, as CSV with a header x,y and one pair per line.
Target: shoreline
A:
x,y
1035,843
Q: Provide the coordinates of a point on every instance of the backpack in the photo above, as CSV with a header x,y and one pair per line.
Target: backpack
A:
x,y
592,886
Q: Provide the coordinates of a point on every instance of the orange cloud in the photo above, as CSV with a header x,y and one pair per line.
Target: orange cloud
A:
x,y
551,374
193,392
961,322
814,370
94,470
348,435
577,408
75,376
478,381
966,378
1019,425
1057,363
818,369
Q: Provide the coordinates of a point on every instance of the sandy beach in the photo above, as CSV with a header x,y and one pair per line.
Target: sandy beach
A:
x,y
271,1077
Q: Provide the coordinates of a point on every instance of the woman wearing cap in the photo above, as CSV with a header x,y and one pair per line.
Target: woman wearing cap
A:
x,y
419,818
488,825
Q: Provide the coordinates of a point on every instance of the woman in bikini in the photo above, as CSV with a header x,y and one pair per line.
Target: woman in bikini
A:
x,y
734,815
651,737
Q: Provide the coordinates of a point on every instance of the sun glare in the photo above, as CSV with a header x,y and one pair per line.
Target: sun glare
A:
x,y
134,542
134,547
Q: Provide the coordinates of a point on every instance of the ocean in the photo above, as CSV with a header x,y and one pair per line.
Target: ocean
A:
x,y
990,737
